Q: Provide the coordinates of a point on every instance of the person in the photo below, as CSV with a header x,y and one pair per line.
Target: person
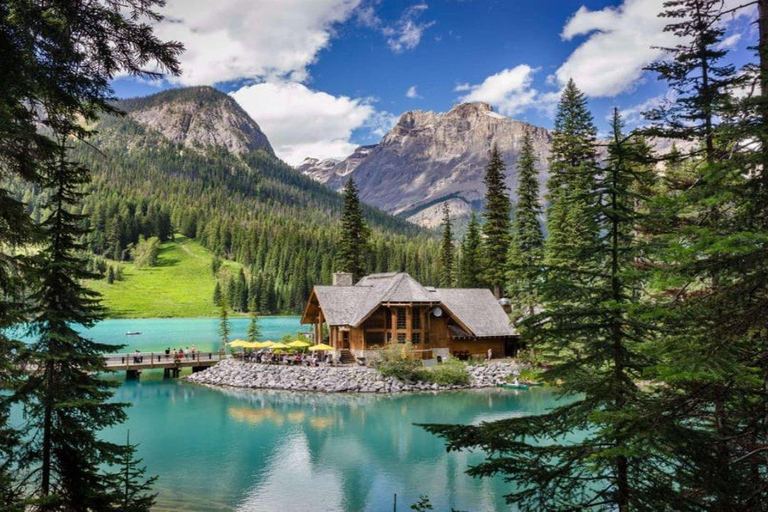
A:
x,y
194,349
181,353
490,354
167,352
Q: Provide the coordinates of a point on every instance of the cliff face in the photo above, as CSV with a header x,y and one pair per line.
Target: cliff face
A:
x,y
199,117
429,158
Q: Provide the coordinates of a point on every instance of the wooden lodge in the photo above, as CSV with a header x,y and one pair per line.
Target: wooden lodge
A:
x,y
381,309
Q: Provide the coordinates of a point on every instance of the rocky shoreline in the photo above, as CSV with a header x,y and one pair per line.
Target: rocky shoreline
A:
x,y
343,379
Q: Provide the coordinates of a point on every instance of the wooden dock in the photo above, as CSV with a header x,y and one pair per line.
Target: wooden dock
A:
x,y
134,363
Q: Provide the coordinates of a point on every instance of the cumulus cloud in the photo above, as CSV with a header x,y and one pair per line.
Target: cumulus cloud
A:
x,y
620,42
412,93
242,39
301,122
509,90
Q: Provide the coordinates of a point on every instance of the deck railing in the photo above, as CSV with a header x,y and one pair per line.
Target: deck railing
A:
x,y
161,359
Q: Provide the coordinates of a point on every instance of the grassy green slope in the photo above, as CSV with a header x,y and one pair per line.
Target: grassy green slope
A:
x,y
180,286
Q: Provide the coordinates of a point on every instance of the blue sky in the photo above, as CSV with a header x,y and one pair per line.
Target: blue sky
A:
x,y
322,76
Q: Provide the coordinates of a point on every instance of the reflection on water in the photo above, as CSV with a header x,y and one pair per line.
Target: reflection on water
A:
x,y
276,450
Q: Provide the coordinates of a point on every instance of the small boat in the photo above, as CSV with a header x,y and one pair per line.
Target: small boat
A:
x,y
133,333
513,385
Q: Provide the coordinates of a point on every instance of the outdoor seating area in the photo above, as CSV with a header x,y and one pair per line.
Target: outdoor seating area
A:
x,y
294,353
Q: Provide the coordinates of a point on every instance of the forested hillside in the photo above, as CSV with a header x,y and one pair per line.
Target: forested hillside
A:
x,y
251,208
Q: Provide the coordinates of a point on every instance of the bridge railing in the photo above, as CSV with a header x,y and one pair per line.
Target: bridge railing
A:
x,y
161,359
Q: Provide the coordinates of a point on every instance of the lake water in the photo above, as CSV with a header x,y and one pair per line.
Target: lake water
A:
x,y
159,333
270,451
257,450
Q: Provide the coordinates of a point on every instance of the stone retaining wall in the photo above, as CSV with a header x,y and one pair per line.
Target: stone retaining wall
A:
x,y
352,379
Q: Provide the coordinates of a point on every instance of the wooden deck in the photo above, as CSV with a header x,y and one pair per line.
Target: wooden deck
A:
x,y
151,360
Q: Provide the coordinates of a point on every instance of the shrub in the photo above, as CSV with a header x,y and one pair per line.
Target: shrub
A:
x,y
394,362
451,373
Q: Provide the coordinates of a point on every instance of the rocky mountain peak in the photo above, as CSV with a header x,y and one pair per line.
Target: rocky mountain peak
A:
x,y
198,117
430,158
468,109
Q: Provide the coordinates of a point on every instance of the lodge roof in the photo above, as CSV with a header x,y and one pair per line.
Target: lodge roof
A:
x,y
476,309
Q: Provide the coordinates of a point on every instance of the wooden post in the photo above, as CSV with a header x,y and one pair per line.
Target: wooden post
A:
x,y
409,323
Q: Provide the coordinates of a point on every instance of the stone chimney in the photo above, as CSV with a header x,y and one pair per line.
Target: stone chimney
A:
x,y
343,279
506,304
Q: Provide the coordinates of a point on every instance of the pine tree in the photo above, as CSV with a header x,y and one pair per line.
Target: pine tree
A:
x,y
110,275
571,226
496,229
446,250
242,291
353,245
217,294
253,325
137,489
470,265
224,326
526,250
66,402
710,236
590,327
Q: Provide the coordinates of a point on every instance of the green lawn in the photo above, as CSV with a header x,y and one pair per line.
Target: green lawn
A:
x,y
180,286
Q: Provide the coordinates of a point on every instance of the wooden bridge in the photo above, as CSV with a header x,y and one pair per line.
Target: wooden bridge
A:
x,y
134,363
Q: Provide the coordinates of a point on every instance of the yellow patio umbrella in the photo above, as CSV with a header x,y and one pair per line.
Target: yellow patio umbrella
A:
x,y
298,344
267,344
251,344
278,345
321,347
238,343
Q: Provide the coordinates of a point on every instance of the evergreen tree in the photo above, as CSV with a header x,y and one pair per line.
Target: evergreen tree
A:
x,y
66,402
597,342
571,226
242,291
446,250
526,250
353,245
58,62
110,275
253,325
470,265
224,326
710,234
217,294
496,229
137,489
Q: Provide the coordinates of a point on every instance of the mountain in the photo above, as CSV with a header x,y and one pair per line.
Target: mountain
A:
x,y
430,158
190,161
197,117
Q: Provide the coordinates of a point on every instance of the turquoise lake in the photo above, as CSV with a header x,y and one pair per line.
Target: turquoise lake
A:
x,y
274,451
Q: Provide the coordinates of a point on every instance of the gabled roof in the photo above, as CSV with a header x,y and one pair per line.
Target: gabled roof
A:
x,y
478,310
475,309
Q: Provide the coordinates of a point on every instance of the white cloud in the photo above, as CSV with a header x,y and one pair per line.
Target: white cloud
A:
x,y
236,39
634,115
509,90
300,122
620,42
406,33
412,93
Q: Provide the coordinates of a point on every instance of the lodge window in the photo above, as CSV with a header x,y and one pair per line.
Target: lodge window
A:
x,y
401,318
416,318
401,337
416,338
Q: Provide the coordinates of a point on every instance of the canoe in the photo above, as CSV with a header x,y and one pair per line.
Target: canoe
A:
x,y
133,333
511,385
